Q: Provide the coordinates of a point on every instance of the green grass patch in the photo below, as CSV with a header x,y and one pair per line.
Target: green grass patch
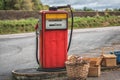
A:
x,y
17,26
27,25
93,22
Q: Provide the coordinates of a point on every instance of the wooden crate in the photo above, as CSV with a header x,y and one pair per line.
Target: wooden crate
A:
x,y
95,62
109,60
95,67
94,71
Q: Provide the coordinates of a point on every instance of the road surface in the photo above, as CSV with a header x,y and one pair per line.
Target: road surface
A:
x,y
18,51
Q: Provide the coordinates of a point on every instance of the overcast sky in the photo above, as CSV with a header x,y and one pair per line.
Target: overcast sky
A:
x,y
79,4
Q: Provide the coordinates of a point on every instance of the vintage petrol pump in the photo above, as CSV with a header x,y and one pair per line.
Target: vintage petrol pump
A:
x,y
52,37
51,43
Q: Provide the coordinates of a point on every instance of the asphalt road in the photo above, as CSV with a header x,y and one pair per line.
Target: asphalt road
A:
x,y
18,51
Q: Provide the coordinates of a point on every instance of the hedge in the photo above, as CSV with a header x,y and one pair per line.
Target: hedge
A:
x,y
18,14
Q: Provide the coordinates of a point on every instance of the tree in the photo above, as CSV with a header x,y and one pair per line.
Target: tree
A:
x,y
7,4
116,9
21,5
17,4
45,7
37,5
1,5
26,5
78,10
87,9
107,9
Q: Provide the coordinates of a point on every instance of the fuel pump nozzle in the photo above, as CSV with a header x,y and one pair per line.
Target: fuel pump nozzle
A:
x,y
67,6
54,8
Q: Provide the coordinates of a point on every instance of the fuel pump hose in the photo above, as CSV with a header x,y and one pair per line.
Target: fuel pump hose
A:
x,y
72,20
37,34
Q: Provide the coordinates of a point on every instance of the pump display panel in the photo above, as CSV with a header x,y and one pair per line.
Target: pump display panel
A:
x,y
56,21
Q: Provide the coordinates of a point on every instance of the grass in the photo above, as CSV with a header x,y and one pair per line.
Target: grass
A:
x,y
27,25
93,22
17,26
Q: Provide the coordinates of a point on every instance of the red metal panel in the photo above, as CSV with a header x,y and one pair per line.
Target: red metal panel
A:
x,y
53,45
55,48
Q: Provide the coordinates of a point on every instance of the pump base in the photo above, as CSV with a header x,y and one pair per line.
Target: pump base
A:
x,y
37,74
51,69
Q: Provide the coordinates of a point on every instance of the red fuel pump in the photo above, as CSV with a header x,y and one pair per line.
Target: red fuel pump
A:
x,y
52,43
52,37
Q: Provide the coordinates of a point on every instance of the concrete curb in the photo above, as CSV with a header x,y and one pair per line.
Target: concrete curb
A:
x,y
17,35
97,29
33,74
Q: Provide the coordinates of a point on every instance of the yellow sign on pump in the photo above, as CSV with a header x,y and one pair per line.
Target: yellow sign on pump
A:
x,y
56,16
